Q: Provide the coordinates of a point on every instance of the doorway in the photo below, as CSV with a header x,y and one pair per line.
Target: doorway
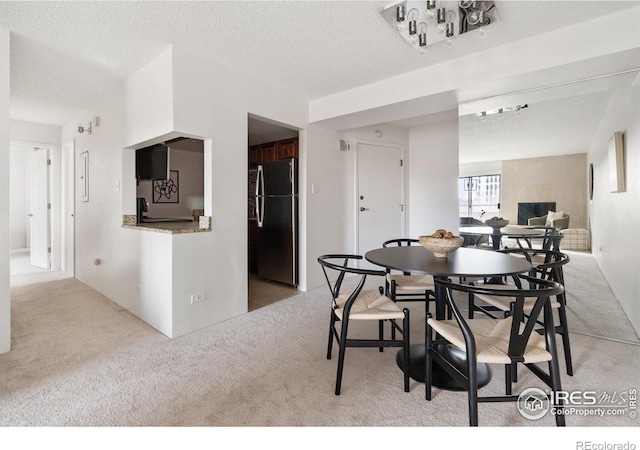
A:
x,y
270,143
380,214
35,213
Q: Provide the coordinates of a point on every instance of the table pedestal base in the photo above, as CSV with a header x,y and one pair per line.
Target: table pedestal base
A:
x,y
441,378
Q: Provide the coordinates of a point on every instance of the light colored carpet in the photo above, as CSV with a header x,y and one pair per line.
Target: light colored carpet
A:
x,y
80,360
592,307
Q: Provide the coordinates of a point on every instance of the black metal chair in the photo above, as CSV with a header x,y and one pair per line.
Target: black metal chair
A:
x,y
547,265
360,304
407,287
509,341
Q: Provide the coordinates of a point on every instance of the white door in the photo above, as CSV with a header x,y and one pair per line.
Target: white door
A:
x,y
39,208
380,195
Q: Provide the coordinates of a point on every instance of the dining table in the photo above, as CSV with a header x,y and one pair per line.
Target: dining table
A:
x,y
520,233
462,262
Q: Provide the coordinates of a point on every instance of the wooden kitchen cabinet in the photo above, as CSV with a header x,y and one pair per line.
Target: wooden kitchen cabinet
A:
x,y
255,155
273,151
287,148
269,152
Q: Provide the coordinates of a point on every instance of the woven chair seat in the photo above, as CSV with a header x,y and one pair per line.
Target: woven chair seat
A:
x,y
413,283
369,305
504,303
492,340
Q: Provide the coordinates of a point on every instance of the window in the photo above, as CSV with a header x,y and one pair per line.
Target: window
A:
x,y
479,197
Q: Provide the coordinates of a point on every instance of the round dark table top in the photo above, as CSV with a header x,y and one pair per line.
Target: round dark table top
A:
x,y
466,262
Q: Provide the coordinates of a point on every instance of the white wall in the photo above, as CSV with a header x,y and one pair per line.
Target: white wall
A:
x,y
615,217
326,225
433,178
133,266
35,133
5,295
213,103
153,275
480,168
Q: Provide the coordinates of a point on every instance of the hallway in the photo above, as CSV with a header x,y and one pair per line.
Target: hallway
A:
x,y
23,273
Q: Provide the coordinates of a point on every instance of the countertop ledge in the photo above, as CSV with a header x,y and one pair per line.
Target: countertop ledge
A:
x,y
204,225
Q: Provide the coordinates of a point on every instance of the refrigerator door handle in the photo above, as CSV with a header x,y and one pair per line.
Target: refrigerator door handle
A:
x,y
291,180
260,197
292,176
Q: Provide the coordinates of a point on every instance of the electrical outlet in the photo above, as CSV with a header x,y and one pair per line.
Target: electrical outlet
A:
x,y
196,298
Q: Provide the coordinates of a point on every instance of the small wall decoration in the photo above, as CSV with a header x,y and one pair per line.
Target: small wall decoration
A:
x,y
616,162
166,191
590,181
84,177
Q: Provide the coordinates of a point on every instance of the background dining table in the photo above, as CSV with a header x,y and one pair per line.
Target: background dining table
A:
x,y
463,262
515,232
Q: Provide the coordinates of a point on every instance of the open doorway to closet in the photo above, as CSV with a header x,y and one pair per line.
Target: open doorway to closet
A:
x,y
272,212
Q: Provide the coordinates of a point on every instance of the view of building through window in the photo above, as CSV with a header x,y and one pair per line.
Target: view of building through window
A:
x,y
479,197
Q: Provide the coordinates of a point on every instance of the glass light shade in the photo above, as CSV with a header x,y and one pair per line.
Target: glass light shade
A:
x,y
422,34
451,16
483,116
473,17
412,16
464,4
450,41
500,114
442,20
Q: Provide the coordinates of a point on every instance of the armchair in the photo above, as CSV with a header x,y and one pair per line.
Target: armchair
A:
x,y
561,223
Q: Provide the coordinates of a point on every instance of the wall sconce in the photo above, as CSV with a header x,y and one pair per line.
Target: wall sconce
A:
x,y
89,128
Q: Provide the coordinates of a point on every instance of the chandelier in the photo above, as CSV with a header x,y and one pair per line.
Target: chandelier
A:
x,y
425,23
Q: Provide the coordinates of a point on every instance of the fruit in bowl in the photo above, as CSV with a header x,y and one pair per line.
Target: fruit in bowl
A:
x,y
441,243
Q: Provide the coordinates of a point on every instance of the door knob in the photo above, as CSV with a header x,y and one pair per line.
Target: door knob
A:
x,y
363,209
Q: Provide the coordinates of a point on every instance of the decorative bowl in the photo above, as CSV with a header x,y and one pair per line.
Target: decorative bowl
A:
x,y
496,223
441,247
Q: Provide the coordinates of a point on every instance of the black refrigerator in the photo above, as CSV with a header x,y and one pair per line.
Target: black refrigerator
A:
x,y
277,214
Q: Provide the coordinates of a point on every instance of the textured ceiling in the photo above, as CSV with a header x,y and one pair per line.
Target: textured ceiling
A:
x,y
537,131
65,55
